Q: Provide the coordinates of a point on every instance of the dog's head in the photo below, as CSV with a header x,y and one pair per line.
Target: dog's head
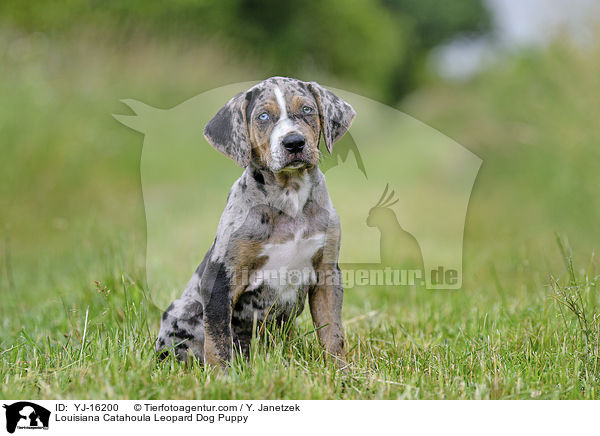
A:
x,y
278,123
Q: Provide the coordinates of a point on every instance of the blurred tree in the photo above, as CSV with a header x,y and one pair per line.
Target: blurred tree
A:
x,y
432,23
378,45
357,42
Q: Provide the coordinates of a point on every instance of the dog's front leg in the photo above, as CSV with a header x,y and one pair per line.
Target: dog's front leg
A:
x,y
325,300
218,305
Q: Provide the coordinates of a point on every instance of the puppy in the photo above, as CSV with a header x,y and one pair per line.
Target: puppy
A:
x,y
278,239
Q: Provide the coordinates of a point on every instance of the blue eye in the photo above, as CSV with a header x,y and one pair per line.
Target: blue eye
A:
x,y
307,109
264,116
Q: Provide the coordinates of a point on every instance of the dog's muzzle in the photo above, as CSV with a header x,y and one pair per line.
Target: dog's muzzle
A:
x,y
294,143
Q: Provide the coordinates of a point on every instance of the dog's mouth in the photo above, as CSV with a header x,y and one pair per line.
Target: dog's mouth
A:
x,y
295,165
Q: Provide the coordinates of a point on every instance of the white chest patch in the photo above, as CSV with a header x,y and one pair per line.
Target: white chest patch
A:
x,y
289,267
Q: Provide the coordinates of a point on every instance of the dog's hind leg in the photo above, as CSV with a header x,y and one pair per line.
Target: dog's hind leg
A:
x,y
182,328
182,324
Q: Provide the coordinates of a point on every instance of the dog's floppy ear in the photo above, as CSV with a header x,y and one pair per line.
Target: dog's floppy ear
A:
x,y
227,131
335,114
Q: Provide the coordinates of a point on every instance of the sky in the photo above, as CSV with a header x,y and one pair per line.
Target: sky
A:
x,y
518,24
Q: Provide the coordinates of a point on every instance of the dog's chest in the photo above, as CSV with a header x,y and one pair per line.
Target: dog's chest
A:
x,y
289,266
278,287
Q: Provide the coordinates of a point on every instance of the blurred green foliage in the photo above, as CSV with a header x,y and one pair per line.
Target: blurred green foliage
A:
x,y
71,211
380,46
432,23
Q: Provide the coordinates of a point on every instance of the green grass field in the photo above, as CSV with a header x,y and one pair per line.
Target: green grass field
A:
x,y
77,321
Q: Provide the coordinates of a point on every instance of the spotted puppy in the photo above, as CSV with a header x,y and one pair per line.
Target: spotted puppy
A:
x,y
279,237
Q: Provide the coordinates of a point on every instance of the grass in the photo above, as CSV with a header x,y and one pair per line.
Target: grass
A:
x,y
78,321
541,344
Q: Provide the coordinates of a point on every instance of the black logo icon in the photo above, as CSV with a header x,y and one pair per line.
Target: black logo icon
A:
x,y
26,415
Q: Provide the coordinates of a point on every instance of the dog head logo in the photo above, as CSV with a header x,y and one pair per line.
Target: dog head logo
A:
x,y
26,415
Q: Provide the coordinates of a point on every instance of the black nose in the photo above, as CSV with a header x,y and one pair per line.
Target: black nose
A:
x,y
293,143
